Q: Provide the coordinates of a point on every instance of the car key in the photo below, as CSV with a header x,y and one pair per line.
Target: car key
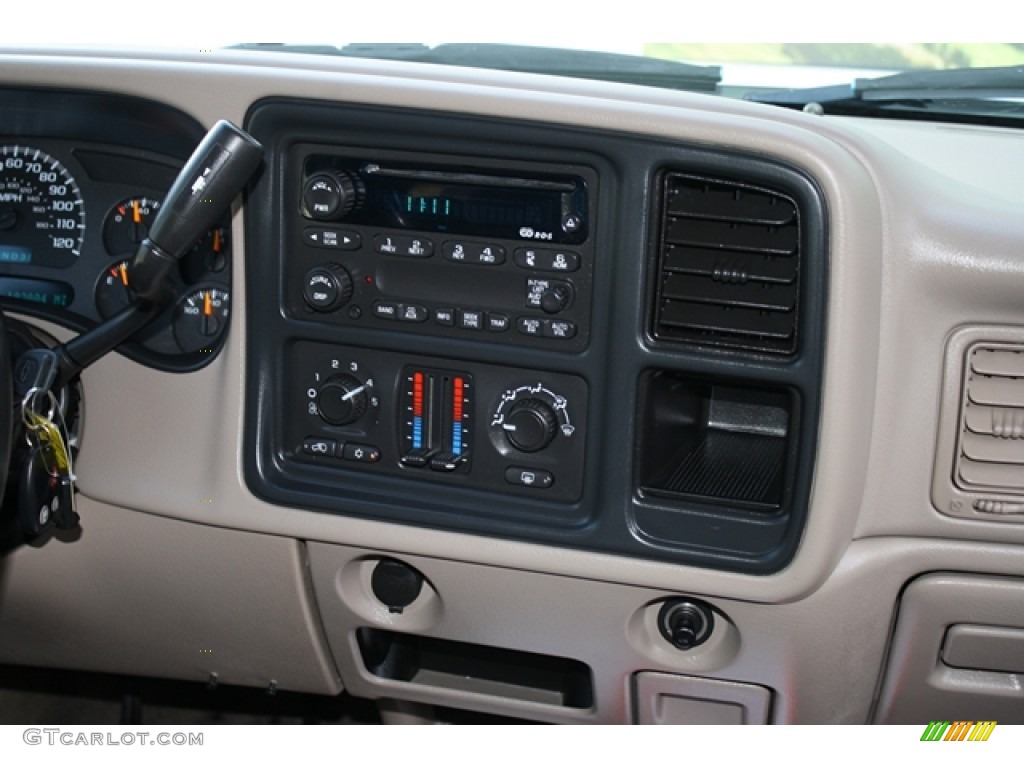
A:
x,y
44,434
38,491
56,497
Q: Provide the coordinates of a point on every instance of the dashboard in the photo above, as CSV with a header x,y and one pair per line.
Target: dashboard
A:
x,y
556,400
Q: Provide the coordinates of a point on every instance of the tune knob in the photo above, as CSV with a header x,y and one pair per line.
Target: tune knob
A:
x,y
327,288
531,425
555,298
329,195
342,400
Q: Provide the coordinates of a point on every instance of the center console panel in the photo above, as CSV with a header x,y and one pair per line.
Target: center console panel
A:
x,y
479,325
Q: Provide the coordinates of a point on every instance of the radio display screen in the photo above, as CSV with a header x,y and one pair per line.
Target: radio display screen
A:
x,y
540,209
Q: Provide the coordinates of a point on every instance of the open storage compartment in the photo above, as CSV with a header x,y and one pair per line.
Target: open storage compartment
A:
x,y
714,443
721,469
453,665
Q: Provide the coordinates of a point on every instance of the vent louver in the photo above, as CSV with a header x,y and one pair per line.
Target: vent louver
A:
x,y
991,455
728,265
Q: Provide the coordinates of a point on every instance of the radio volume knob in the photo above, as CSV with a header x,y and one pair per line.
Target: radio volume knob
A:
x,y
329,195
327,288
531,425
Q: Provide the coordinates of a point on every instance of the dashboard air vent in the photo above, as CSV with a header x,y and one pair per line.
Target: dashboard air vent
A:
x,y
728,265
991,455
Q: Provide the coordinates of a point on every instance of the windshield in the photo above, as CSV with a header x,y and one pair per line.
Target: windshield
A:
x,y
577,40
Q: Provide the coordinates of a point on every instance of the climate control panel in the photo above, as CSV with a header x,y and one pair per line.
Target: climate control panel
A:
x,y
482,426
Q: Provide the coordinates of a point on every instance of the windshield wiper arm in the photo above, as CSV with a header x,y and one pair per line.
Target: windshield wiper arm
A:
x,y
921,86
593,65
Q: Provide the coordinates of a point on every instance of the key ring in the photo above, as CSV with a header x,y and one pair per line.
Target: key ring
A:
x,y
28,406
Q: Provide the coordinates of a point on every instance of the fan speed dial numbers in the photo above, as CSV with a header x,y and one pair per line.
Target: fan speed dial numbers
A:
x,y
342,394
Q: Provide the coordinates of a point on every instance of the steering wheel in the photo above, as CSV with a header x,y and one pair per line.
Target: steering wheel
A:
x,y
6,406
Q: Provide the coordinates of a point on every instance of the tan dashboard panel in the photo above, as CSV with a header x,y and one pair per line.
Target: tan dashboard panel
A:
x,y
143,595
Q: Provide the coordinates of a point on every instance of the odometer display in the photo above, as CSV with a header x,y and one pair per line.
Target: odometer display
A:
x,y
42,215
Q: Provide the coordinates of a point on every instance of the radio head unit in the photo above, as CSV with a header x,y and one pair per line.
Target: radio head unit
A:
x,y
456,247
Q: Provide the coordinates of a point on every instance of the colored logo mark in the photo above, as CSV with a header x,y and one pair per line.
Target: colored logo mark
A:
x,y
958,730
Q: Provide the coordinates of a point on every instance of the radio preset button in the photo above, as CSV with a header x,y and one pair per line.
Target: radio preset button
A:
x,y
386,310
402,245
412,313
487,254
321,237
547,260
444,316
470,319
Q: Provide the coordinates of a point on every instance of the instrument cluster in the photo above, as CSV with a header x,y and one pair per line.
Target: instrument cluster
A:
x,y
72,214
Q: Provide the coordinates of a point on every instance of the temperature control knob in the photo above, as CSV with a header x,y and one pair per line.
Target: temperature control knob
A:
x,y
329,195
531,425
342,400
327,288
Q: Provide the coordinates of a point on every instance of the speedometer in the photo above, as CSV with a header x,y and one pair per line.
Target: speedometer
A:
x,y
42,216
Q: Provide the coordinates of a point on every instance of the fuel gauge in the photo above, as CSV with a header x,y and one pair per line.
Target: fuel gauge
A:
x,y
200,318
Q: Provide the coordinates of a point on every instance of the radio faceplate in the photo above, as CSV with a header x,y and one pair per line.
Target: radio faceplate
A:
x,y
456,248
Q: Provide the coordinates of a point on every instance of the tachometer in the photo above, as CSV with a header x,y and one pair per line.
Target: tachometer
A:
x,y
42,215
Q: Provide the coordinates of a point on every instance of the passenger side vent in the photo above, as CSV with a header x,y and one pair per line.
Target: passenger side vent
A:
x,y
728,265
991,454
